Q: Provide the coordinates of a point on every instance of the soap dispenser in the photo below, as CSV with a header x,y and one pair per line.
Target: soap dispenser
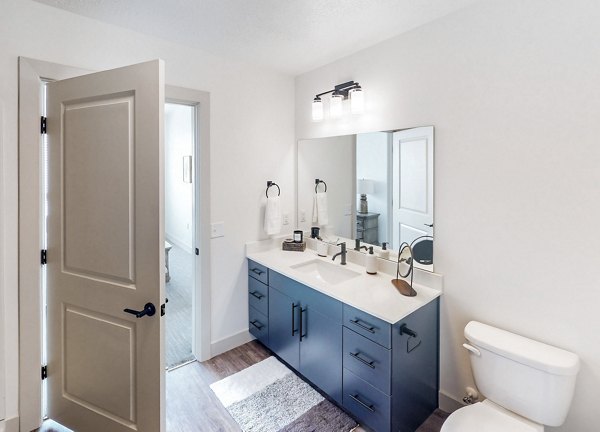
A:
x,y
371,262
384,252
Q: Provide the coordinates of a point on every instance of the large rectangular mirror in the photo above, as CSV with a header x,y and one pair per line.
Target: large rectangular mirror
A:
x,y
376,187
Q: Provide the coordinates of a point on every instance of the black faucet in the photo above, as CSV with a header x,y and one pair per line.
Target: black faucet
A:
x,y
358,247
342,253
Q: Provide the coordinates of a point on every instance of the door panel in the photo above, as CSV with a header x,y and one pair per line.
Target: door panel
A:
x,y
105,250
412,189
283,327
321,352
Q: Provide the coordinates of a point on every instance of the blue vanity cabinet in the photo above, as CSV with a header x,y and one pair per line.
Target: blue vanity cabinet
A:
x,y
284,323
305,331
391,371
258,301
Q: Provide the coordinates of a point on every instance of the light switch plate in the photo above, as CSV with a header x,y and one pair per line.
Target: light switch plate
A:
x,y
286,219
217,229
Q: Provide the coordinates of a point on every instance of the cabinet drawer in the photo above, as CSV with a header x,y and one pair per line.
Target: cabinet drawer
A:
x,y
367,325
370,406
258,325
368,360
258,271
258,296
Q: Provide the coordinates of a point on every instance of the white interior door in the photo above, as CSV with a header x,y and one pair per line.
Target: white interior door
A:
x,y
105,250
412,199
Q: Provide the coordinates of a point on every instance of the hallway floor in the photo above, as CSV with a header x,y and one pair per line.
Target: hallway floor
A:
x,y
179,309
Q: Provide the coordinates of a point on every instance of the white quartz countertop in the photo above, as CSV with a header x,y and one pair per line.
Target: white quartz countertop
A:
x,y
373,294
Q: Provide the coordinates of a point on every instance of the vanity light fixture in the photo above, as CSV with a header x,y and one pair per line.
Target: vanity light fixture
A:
x,y
348,90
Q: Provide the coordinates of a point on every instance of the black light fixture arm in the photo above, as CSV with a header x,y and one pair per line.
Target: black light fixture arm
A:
x,y
342,89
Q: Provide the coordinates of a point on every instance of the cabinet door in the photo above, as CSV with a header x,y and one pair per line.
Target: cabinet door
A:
x,y
321,352
284,326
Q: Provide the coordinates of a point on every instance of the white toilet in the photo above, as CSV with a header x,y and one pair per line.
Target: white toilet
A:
x,y
527,384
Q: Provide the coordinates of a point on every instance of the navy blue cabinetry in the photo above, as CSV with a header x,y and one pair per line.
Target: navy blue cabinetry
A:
x,y
385,375
305,331
284,320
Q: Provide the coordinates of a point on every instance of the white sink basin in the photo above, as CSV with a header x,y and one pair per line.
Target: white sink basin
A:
x,y
326,272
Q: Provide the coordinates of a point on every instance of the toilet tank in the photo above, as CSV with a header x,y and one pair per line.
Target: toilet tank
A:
x,y
530,378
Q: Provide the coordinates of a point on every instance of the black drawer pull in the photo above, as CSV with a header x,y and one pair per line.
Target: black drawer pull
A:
x,y
294,306
364,405
257,271
302,335
362,360
357,322
257,294
257,324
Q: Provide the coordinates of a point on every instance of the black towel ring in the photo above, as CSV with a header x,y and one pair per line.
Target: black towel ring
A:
x,y
317,181
269,184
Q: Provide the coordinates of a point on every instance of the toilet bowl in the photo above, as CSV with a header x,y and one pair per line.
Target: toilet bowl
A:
x,y
486,416
528,384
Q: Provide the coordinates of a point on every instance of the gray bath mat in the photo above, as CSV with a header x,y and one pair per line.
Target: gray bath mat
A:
x,y
268,397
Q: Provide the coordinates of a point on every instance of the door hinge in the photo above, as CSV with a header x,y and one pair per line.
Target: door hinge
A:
x,y
197,251
43,121
44,256
44,372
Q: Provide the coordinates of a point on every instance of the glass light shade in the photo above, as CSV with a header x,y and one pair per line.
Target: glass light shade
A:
x,y
317,109
357,101
335,108
365,186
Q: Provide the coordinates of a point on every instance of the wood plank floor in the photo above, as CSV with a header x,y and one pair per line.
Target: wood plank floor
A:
x,y
193,407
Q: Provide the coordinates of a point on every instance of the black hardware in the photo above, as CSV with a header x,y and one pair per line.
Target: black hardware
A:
x,y
301,324
411,334
257,271
43,123
44,372
162,309
341,89
357,356
256,324
269,184
294,306
405,330
44,256
429,225
257,294
342,252
317,181
357,322
364,405
197,251
357,246
148,310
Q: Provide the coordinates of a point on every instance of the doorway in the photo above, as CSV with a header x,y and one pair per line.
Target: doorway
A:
x,y
179,231
31,202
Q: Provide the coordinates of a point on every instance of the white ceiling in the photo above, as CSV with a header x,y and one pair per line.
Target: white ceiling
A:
x,y
293,36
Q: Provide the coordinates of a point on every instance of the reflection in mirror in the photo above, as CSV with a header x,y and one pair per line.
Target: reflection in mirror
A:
x,y
379,190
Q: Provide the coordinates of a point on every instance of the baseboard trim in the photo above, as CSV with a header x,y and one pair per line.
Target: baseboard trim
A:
x,y
9,425
230,342
448,403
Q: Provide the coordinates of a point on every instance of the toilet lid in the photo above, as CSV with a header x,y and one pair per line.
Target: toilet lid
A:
x,y
484,417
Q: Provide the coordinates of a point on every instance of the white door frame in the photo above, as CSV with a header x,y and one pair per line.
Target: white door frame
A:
x,y
31,74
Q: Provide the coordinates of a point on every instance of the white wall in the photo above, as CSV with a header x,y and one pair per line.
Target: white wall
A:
x,y
331,160
512,89
372,163
179,140
252,140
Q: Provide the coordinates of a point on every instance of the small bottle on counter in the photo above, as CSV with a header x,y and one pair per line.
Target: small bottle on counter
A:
x,y
371,262
384,252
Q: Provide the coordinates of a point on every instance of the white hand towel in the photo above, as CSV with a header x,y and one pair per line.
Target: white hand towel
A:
x,y
273,215
320,212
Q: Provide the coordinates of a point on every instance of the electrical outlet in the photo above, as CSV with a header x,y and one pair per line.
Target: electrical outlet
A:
x,y
302,215
286,219
217,229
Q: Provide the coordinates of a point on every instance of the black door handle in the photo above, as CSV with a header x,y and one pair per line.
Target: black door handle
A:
x,y
149,310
